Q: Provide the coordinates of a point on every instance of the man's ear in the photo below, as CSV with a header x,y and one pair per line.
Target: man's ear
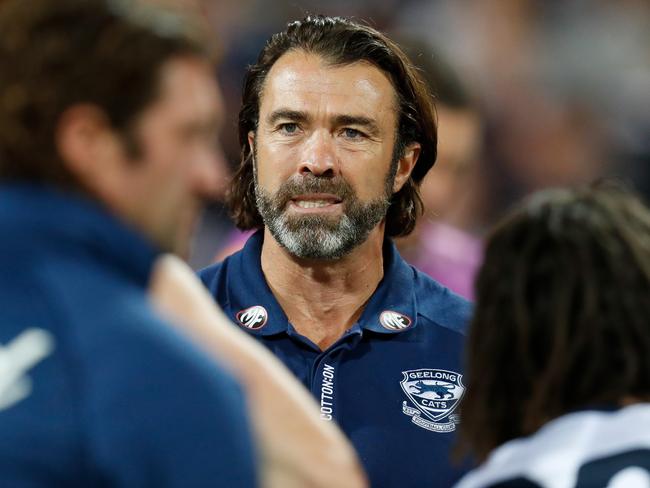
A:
x,y
89,147
405,165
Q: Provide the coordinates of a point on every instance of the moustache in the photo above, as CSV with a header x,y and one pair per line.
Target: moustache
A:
x,y
302,185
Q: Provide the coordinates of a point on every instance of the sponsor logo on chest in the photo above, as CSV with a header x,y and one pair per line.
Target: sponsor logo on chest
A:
x,y
327,392
433,396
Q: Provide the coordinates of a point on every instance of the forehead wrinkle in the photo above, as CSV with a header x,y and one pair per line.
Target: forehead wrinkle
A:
x,y
299,75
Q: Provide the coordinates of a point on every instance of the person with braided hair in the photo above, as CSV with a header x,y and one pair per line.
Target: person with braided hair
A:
x,y
558,351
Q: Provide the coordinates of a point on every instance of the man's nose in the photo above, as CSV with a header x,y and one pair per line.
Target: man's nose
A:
x,y
319,155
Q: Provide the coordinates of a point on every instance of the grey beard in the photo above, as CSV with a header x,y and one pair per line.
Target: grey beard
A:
x,y
321,237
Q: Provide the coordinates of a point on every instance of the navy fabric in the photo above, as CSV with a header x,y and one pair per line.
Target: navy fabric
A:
x,y
363,381
119,399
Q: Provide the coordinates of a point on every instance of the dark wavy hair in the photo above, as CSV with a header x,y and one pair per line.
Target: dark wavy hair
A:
x,y
341,41
56,54
562,318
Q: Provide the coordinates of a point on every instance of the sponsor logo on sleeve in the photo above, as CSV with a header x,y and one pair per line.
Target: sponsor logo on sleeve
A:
x,y
253,318
434,395
394,320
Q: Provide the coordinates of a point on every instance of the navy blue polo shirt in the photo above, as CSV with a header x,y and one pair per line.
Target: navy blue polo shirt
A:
x,y
392,382
95,389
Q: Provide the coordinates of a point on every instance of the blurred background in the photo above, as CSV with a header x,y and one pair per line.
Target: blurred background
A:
x,y
530,94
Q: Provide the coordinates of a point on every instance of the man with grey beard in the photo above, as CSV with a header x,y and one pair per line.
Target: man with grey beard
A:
x,y
337,131
316,236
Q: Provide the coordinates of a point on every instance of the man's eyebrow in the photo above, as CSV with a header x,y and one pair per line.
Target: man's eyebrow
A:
x,y
286,114
369,124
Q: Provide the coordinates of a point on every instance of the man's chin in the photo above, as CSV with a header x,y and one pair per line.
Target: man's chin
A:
x,y
183,243
314,243
320,223
183,237
183,250
178,243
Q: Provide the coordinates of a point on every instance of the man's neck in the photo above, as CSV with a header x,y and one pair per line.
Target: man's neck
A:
x,y
322,299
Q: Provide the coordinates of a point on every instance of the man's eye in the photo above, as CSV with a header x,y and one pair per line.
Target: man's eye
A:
x,y
352,133
288,128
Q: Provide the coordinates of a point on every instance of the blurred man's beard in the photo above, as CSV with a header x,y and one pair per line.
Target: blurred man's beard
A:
x,y
322,237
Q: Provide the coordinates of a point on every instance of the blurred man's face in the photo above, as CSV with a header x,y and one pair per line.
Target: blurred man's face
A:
x,y
179,164
459,144
323,150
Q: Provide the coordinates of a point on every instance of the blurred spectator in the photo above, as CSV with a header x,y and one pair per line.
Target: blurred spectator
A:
x,y
558,393
565,86
440,245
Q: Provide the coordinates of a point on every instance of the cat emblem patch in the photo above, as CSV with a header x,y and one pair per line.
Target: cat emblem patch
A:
x,y
433,396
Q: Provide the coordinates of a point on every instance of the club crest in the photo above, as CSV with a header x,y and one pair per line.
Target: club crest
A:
x,y
394,321
253,318
435,394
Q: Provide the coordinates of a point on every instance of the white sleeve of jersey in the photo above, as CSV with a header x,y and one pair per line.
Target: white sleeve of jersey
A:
x,y
586,449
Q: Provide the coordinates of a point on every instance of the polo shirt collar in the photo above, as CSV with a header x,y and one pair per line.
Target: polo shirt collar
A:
x,y
391,309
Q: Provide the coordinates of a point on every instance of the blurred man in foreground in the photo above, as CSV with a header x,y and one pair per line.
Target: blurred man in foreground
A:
x,y
108,114
559,348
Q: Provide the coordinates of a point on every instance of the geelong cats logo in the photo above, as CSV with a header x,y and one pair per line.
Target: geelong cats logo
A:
x,y
435,394
253,318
